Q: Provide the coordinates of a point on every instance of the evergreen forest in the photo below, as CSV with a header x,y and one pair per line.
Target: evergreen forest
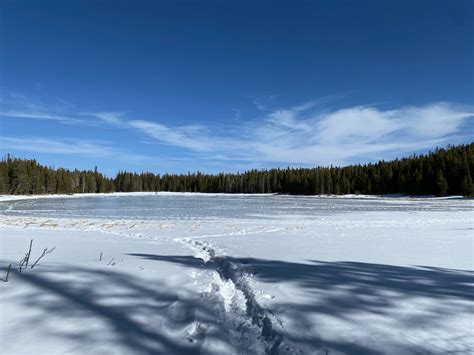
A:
x,y
442,172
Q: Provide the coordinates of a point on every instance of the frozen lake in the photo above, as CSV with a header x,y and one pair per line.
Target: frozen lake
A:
x,y
202,206
238,274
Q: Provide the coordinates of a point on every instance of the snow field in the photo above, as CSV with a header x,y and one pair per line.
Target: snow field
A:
x,y
350,283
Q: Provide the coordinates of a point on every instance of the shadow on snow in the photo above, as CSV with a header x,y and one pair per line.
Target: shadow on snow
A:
x,y
338,289
124,305
342,289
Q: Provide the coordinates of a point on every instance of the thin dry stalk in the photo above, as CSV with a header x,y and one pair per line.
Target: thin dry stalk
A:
x,y
27,257
8,273
22,263
45,252
111,261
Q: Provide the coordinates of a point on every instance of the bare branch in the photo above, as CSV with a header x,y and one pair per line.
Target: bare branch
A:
x,y
8,273
45,252
22,262
28,255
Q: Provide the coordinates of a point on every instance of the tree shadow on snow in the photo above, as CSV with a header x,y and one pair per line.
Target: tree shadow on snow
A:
x,y
150,318
143,318
344,289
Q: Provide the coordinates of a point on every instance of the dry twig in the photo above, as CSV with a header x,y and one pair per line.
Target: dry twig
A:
x,y
45,252
8,273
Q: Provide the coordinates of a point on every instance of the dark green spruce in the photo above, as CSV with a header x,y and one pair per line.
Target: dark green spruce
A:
x,y
442,172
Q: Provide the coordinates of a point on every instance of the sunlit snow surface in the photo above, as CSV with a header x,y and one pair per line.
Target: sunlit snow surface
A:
x,y
196,273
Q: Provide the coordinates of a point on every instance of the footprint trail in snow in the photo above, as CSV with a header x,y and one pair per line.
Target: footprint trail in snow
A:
x,y
254,329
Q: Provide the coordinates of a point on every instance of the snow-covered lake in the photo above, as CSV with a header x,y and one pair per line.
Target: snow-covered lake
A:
x,y
197,206
220,274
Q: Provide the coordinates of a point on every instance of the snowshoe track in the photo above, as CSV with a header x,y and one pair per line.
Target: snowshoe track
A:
x,y
253,324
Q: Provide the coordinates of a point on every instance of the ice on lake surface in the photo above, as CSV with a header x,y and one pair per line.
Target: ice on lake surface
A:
x,y
238,274
219,206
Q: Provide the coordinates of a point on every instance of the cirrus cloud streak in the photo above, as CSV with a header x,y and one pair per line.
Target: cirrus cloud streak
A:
x,y
303,135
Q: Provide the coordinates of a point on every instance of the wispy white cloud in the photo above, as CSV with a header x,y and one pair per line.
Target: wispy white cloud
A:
x,y
66,146
38,115
356,133
93,149
193,137
19,106
302,135
305,134
114,118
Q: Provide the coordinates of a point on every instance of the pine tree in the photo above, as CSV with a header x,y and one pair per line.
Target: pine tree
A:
x,y
467,187
441,184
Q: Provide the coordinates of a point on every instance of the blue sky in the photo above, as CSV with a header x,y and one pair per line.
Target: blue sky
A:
x,y
177,86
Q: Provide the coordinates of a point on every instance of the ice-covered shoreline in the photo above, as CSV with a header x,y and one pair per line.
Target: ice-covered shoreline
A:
x,y
4,198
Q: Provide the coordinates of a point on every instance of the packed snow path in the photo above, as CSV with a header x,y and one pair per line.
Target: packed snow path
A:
x,y
278,275
248,316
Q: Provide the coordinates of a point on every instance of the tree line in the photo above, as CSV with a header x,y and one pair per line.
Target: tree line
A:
x,y
441,172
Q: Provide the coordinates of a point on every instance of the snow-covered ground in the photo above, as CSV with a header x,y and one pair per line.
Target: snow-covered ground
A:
x,y
222,274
